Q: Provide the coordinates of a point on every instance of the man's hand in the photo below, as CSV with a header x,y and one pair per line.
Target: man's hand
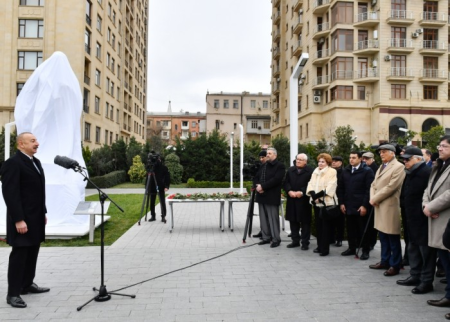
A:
x,y
21,227
299,194
343,209
373,203
259,188
166,189
362,211
291,194
428,213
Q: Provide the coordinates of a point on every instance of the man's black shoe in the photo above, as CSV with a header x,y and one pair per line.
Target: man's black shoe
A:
x,y
443,302
163,219
324,254
304,247
338,243
293,245
258,235
440,272
33,288
410,281
316,250
273,245
16,301
423,289
290,235
405,262
348,252
264,242
364,256
152,219
443,281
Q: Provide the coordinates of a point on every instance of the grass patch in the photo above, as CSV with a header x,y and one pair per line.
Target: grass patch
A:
x,y
115,227
127,185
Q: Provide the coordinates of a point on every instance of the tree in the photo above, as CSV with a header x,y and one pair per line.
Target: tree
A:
x,y
156,143
137,170
430,139
282,145
175,168
102,161
134,148
404,140
119,153
12,145
345,143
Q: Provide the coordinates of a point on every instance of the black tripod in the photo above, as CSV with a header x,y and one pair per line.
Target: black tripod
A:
x,y
249,222
103,294
150,175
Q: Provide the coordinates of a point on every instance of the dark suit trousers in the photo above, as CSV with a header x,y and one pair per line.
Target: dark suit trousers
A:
x,y
355,230
22,268
322,232
295,232
444,255
162,202
422,260
391,249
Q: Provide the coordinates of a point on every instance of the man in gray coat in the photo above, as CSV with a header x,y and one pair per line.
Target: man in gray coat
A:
x,y
436,206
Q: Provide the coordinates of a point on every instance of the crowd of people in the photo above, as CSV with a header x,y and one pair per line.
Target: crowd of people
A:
x,y
411,190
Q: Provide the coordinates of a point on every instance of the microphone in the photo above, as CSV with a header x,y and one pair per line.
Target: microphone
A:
x,y
66,162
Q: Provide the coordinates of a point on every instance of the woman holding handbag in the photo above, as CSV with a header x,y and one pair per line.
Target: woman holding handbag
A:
x,y
322,190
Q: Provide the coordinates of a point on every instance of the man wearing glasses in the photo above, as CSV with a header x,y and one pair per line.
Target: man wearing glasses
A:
x,y
436,206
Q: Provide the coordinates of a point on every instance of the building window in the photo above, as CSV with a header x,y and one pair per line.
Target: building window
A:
x,y
106,136
111,113
398,91
265,104
165,123
253,104
429,124
117,115
87,41
113,62
216,103
194,124
398,37
430,67
97,134
430,92
226,104
114,17
342,40
29,60
254,124
36,3
111,90
109,9
99,24
235,104
307,130
87,131
176,127
97,105
107,84
108,35
301,132
19,88
86,100
342,93
98,76
217,124
108,59
185,123
362,93
193,134
342,68
342,12
113,41
394,129
98,51
88,12
31,28
107,110
266,124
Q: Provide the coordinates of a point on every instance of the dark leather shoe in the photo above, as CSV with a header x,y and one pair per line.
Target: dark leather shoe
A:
x,y
163,219
33,288
410,281
443,281
391,272
316,250
273,245
440,272
293,245
324,254
365,256
16,301
348,252
264,242
423,289
379,265
304,248
443,302
338,243
447,316
290,235
258,235
152,219
405,262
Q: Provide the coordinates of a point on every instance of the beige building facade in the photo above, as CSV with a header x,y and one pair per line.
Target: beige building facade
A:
x,y
376,65
106,44
225,111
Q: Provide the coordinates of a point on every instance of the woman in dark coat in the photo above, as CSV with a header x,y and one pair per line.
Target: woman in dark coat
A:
x,y
298,208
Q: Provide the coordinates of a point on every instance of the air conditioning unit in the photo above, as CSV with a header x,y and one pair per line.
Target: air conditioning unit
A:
x,y
278,79
317,93
321,40
302,76
300,11
415,34
316,99
387,57
222,122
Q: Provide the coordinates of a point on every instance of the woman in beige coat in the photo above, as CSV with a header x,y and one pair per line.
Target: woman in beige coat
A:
x,y
322,188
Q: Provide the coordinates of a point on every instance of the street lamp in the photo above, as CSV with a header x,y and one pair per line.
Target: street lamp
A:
x,y
231,160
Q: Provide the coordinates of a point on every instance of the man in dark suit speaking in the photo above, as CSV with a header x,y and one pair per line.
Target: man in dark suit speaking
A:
x,y
23,187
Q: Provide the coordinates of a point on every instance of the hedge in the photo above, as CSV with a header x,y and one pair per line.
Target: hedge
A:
x,y
108,180
191,183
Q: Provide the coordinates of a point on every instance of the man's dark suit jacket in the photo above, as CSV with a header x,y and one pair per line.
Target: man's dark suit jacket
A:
x,y
275,172
23,190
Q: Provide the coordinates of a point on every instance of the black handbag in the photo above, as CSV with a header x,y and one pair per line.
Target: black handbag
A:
x,y
329,212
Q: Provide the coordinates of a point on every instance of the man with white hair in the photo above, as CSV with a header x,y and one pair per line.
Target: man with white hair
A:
x,y
268,187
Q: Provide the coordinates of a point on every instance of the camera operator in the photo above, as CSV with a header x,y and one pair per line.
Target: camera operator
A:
x,y
159,173
262,160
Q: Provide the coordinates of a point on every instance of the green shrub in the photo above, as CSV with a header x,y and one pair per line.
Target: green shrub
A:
x,y
108,180
214,184
137,170
190,182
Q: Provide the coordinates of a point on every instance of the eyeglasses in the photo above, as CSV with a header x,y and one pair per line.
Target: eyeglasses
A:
x,y
406,160
443,146
301,160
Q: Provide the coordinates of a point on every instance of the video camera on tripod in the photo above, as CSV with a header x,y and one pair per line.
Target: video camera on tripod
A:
x,y
153,159
251,167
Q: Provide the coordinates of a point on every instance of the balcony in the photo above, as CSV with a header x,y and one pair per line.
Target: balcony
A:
x,y
400,17
433,47
342,74
398,45
299,25
433,75
275,107
87,48
433,19
369,75
321,57
367,19
367,47
297,49
300,90
276,35
321,30
320,6
87,80
276,3
88,20
321,82
276,17
298,5
276,71
400,74
276,53
276,88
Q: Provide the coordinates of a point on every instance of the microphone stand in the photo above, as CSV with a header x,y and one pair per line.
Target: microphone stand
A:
x,y
103,295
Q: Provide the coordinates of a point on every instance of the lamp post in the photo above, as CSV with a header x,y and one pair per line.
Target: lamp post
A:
x,y
231,160
241,168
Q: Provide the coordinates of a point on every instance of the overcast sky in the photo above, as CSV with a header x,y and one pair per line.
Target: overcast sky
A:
x,y
200,45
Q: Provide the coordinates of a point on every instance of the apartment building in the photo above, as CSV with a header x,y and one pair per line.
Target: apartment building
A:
x,y
106,44
225,111
378,65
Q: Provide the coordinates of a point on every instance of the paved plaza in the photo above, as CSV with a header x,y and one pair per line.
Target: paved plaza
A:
x,y
256,283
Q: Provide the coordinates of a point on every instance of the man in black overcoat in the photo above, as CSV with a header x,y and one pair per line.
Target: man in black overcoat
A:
x,y
298,208
354,196
23,187
422,258
162,176
268,188
369,159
